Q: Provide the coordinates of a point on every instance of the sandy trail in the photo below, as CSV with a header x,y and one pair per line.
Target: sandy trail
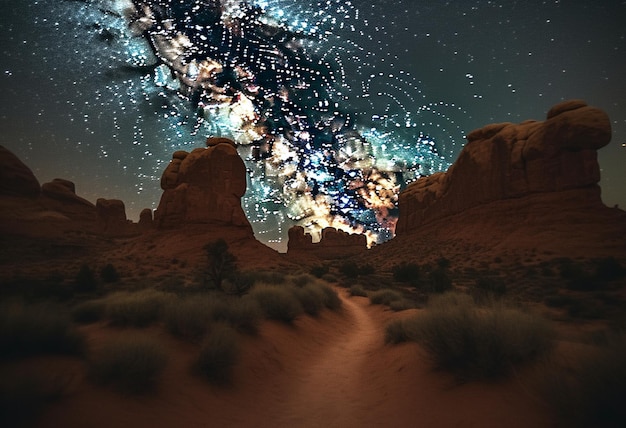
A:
x,y
329,392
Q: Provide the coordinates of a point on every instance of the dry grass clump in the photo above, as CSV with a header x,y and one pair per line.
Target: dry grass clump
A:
x,y
136,309
218,354
384,296
277,302
191,317
593,393
311,298
475,342
34,329
131,364
358,290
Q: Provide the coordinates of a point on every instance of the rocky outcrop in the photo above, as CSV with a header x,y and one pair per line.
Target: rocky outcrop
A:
x,y
203,187
15,177
145,220
511,161
333,243
111,218
60,196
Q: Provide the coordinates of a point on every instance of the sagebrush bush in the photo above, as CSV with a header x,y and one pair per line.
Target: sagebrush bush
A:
x,y
189,317
311,298
397,332
131,364
477,342
331,298
593,394
137,309
34,329
218,354
401,305
384,296
109,274
277,302
358,290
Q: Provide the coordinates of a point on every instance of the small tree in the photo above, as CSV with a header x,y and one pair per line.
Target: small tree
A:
x,y
221,262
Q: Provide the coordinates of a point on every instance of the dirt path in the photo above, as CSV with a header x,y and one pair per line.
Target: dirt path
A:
x,y
330,391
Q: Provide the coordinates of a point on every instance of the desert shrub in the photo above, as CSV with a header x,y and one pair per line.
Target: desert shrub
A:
x,y
477,342
85,281
109,274
384,296
486,286
131,364
319,271
137,309
243,315
189,317
397,332
407,272
269,277
311,298
218,354
358,290
239,283
439,281
349,269
401,305
592,393
276,302
302,280
35,329
89,311
331,298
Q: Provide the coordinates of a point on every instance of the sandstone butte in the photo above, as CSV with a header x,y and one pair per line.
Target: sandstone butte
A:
x,y
533,185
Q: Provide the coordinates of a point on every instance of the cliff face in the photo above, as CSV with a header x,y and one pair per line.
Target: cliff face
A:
x,y
555,158
203,187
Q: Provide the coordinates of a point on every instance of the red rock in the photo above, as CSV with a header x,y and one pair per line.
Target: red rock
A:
x,y
111,218
15,177
505,161
203,187
333,243
145,220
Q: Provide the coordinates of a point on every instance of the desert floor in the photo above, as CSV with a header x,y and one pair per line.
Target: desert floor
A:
x,y
331,371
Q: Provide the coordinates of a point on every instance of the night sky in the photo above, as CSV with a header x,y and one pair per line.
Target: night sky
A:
x,y
335,105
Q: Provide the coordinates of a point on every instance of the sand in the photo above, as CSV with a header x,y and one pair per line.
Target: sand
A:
x,y
330,371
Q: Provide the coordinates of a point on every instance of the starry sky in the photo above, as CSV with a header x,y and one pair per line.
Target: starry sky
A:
x,y
335,105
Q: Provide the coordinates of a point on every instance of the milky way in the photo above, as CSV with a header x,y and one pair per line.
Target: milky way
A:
x,y
335,105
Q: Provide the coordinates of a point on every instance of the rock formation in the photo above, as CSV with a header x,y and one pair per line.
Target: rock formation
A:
x,y
145,220
507,161
333,243
111,218
203,187
533,185
16,178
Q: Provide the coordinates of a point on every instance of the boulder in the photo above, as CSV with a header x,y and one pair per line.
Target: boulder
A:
x,y
203,187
